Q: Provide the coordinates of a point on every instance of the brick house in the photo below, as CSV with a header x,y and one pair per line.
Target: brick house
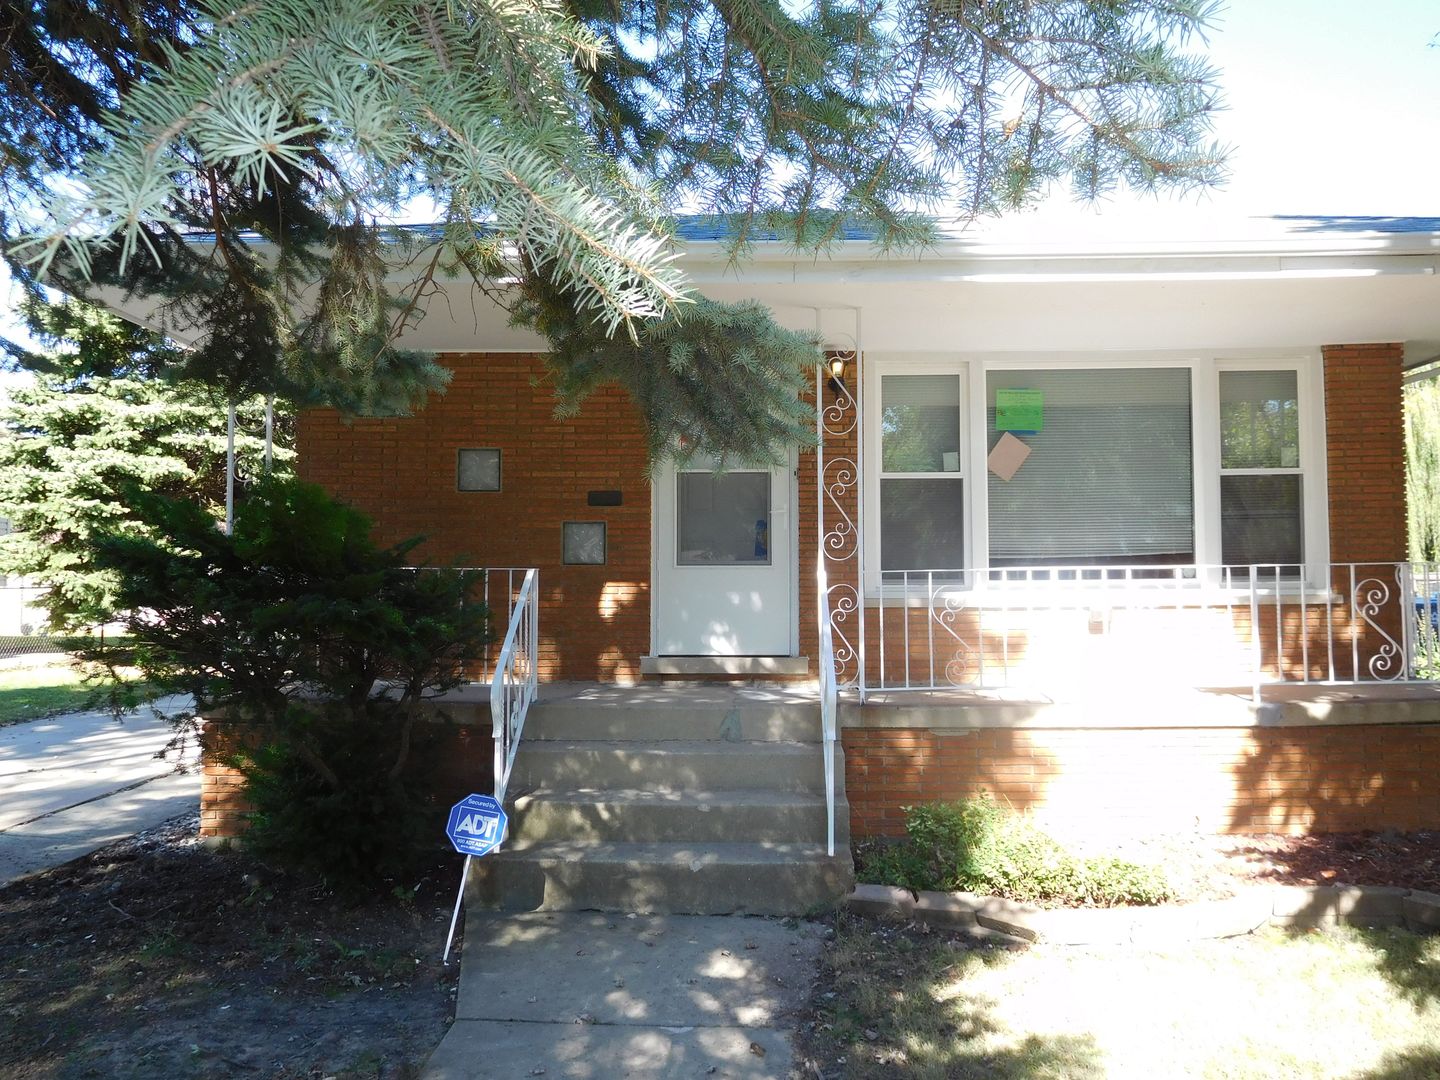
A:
x,y
1115,529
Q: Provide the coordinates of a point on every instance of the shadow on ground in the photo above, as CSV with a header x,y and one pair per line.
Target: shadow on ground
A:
x,y
897,1006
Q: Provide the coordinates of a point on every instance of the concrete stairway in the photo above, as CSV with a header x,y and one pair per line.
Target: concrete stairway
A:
x,y
676,800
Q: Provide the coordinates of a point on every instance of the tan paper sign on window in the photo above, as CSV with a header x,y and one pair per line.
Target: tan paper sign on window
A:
x,y
1007,457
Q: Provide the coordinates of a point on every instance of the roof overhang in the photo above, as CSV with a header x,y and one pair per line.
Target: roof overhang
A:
x,y
983,295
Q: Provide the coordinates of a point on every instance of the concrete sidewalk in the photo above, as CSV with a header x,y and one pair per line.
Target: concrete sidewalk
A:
x,y
73,783
593,996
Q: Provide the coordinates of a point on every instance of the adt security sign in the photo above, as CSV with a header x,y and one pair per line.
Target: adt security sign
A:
x,y
477,825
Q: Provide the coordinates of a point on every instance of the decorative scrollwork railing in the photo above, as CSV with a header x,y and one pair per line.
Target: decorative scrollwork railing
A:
x,y
1258,624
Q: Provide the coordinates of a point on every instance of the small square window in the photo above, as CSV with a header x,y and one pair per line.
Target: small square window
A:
x,y
583,543
478,470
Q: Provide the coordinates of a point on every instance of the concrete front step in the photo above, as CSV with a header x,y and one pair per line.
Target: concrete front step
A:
x,y
696,879
647,816
580,720
677,765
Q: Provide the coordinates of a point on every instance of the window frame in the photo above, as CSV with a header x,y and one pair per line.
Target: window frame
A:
x,y
875,367
1314,487
1205,368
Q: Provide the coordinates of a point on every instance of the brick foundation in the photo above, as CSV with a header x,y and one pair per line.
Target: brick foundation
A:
x,y
1290,780
463,752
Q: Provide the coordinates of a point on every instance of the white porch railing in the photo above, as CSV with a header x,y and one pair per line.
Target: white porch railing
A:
x,y
829,703
514,684
1044,626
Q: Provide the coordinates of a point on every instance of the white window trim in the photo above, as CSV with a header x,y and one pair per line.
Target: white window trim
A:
x,y
1314,485
874,365
1205,371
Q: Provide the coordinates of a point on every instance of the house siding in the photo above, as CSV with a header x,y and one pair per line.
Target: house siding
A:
x,y
595,621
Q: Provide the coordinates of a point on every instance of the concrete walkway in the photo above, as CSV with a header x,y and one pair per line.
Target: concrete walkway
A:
x,y
74,783
593,996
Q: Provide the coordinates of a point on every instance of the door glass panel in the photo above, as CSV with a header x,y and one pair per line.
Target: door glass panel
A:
x,y
723,519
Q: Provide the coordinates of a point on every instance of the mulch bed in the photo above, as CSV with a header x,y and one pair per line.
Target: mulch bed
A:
x,y
156,957
1206,867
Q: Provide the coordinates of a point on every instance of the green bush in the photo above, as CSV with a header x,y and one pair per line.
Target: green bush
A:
x,y
317,649
980,846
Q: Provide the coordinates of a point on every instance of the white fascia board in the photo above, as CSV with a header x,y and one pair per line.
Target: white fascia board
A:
x,y
1002,266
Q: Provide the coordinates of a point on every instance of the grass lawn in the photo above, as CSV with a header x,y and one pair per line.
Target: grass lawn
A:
x,y
1358,1004
38,692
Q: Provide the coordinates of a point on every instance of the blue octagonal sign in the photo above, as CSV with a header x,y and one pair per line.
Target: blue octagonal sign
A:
x,y
476,825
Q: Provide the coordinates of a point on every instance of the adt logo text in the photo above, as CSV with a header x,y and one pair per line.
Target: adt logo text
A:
x,y
476,825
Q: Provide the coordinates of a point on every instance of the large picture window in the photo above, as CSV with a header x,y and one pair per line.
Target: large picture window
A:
x,y
922,493
1110,473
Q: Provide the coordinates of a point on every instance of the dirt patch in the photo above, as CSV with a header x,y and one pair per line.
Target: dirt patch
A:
x,y
156,957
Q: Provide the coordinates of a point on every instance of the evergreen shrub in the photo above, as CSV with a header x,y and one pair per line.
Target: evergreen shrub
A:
x,y
314,649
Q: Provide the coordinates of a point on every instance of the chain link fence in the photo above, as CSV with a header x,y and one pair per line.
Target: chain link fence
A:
x,y
25,634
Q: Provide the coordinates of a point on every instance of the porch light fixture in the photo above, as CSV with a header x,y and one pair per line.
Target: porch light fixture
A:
x,y
837,376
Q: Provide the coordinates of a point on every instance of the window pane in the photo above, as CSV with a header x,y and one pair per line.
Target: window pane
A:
x,y
1260,519
1259,420
1110,477
723,519
921,524
920,423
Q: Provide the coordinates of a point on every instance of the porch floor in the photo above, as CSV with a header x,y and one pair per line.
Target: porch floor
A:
x,y
1142,705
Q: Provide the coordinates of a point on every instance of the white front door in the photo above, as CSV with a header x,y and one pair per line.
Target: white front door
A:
x,y
724,562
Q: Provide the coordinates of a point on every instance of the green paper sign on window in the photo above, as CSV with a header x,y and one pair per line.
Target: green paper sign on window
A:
x,y
1019,410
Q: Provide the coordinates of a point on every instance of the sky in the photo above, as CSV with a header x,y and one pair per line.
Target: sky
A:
x,y
1333,107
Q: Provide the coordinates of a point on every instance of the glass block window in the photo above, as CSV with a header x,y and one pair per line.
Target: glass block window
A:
x,y
582,543
478,470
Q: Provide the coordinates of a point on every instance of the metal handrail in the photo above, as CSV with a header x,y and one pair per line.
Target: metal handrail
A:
x,y
829,699
1266,623
513,686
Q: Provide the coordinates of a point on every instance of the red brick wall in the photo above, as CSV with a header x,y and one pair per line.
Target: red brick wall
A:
x,y
595,620
1295,780
1365,452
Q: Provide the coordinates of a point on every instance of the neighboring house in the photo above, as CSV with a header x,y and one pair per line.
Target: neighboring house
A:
x,y
20,612
1059,486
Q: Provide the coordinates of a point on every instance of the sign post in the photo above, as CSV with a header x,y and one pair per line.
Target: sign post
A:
x,y
476,827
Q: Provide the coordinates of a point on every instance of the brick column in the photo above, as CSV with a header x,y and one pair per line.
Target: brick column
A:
x,y
1365,448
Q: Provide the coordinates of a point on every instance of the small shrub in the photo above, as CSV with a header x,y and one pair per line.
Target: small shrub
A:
x,y
980,846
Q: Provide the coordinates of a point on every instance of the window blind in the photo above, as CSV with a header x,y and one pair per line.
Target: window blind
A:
x,y
1110,476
